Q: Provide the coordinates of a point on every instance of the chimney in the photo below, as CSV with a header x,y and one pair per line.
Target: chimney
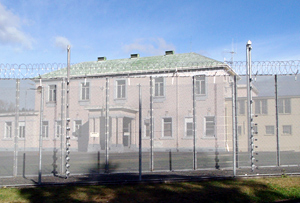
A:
x,y
133,56
171,52
102,58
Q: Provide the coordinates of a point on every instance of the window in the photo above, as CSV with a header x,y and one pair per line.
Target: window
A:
x,y
52,93
189,127
77,128
210,126
58,129
270,130
287,129
261,106
21,130
241,107
239,130
8,130
200,88
255,130
121,89
45,128
159,90
284,106
85,91
167,127
147,128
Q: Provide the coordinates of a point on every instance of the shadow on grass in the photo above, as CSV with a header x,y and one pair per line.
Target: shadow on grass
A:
x,y
154,187
205,191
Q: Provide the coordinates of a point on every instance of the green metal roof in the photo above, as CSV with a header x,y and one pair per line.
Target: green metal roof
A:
x,y
140,65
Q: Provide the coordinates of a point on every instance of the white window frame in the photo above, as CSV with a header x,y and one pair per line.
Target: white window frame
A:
x,y
241,104
85,91
167,122
287,130
270,129
77,124
8,130
211,128
121,89
261,106
147,128
58,129
188,127
159,87
52,93
284,106
21,130
45,129
200,86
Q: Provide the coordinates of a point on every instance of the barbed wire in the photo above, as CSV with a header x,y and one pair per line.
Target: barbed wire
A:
x,y
58,70
267,67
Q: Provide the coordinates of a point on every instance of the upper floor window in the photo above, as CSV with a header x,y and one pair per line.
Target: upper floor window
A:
x,y
85,91
121,89
8,130
261,106
52,93
159,89
209,126
284,105
200,87
241,107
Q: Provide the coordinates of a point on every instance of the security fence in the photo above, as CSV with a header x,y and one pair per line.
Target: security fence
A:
x,y
154,122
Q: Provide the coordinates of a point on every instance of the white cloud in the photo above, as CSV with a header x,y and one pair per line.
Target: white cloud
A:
x,y
10,32
153,46
62,42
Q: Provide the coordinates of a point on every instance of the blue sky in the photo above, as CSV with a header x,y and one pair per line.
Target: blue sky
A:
x,y
38,31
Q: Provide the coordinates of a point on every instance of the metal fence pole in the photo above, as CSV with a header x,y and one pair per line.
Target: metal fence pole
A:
x,y
194,127
234,125
140,133
68,119
63,127
249,104
276,117
107,127
151,125
17,112
41,90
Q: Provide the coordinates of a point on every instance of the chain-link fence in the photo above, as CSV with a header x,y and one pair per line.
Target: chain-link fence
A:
x,y
166,121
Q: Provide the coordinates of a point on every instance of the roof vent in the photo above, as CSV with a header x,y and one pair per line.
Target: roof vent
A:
x,y
102,58
133,56
169,52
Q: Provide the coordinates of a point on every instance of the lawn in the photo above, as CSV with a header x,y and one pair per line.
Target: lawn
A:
x,y
232,190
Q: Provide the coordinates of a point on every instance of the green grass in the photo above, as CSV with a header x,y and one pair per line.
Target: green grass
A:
x,y
238,190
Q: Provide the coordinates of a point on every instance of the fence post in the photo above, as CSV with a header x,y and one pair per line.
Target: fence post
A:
x,y
107,127
276,117
249,103
41,90
17,112
63,127
194,127
68,119
151,125
234,126
140,132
